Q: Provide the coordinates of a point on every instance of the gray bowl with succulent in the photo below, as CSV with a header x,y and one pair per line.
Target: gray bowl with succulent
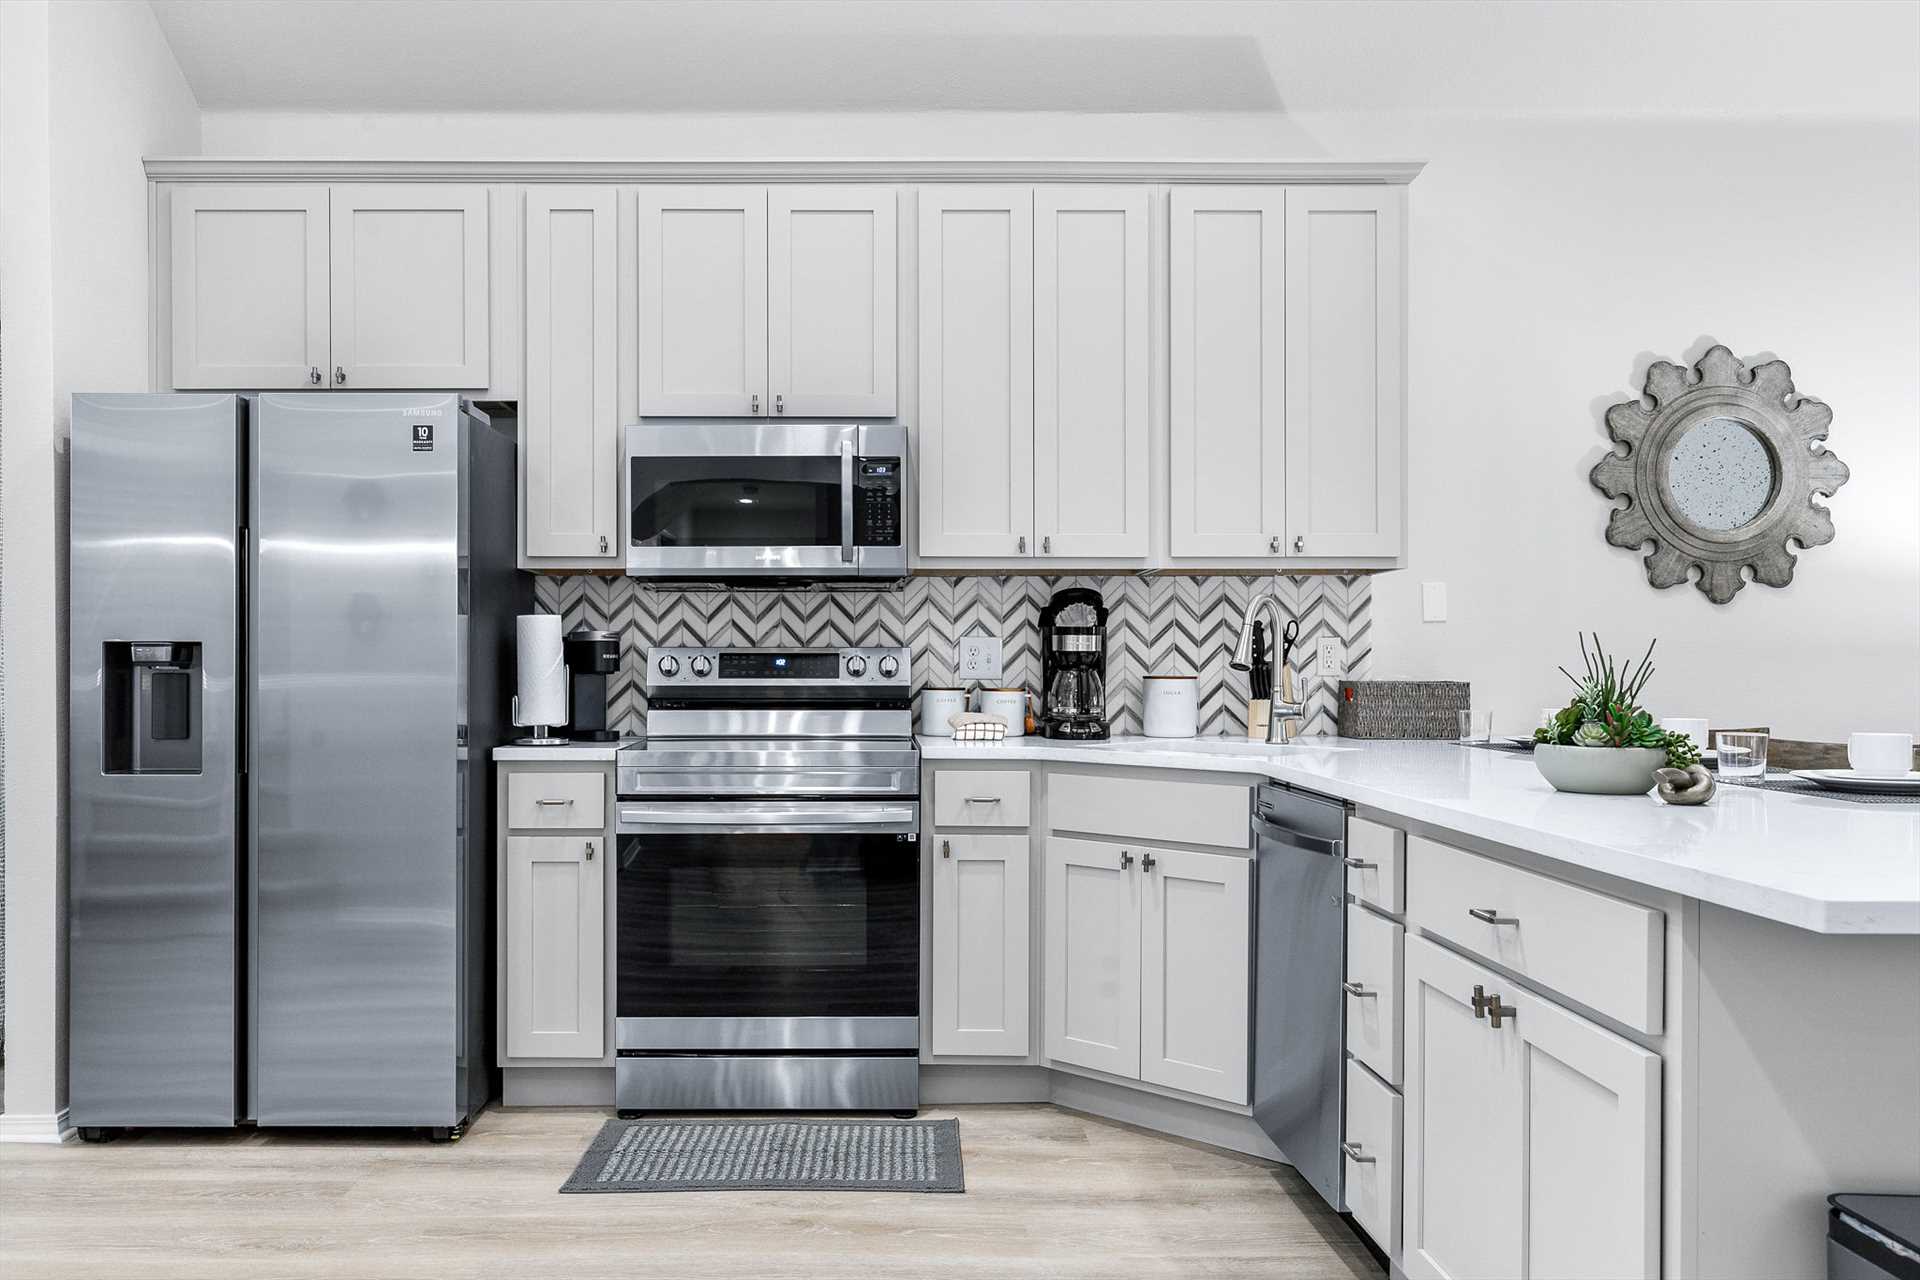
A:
x,y
1605,743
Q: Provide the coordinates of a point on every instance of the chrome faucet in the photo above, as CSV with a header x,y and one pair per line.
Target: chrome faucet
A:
x,y
1281,713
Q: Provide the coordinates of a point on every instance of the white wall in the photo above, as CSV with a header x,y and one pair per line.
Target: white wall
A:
x,y
1552,259
89,90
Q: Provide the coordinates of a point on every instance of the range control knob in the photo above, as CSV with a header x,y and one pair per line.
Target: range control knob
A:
x,y
889,667
702,665
856,665
669,665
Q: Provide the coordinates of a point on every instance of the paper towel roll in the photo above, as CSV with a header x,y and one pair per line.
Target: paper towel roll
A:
x,y
542,670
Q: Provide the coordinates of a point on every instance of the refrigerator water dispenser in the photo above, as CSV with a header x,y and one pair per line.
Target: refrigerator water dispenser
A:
x,y
151,711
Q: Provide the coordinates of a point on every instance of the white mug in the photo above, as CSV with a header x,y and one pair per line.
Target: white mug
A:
x,y
937,707
1009,705
1694,728
1880,755
1172,707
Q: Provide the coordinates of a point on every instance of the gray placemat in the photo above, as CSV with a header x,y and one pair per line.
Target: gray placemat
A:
x,y
772,1155
1783,780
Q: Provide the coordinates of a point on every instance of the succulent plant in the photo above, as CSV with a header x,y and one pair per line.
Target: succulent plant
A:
x,y
1606,710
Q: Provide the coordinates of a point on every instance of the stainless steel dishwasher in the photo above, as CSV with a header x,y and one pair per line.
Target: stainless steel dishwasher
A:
x,y
1299,1021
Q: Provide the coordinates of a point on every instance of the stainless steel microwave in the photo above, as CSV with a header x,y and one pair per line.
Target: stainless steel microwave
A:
x,y
796,501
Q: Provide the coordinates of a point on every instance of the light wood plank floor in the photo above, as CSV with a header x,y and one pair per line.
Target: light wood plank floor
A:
x,y
1049,1193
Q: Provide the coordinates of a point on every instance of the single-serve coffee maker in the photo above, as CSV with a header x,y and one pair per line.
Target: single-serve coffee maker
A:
x,y
1073,665
592,656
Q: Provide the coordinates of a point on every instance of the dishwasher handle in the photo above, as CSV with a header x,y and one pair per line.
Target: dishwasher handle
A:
x,y
1298,839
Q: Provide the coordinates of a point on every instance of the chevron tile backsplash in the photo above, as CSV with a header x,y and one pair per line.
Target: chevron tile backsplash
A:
x,y
1155,625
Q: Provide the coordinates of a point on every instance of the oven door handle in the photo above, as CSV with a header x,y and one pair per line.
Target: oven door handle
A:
x,y
846,501
760,815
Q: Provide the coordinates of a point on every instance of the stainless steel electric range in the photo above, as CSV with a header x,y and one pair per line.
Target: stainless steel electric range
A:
x,y
769,885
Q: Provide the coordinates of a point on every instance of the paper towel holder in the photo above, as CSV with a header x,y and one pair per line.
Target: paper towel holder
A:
x,y
540,737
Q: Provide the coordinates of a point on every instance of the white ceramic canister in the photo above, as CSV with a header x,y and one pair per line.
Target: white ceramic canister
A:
x,y
937,707
1172,707
1009,705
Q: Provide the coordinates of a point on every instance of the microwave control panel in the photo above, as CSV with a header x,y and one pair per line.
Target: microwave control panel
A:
x,y
876,502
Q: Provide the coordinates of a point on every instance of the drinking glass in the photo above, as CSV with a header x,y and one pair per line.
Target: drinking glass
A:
x,y
1476,726
1743,755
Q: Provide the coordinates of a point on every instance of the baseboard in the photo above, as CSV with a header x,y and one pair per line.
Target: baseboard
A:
x,y
1164,1115
25,1128
951,1086
556,1087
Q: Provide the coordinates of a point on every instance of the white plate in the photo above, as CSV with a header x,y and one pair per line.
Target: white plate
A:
x,y
1854,780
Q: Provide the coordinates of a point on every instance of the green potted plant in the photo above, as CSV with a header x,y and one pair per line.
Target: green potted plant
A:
x,y
1604,742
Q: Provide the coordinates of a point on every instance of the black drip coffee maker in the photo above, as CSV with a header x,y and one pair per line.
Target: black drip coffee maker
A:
x,y
1073,665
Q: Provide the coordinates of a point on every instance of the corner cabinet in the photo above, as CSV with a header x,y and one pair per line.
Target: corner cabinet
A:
x,y
569,423
360,287
768,301
1532,1146
1286,372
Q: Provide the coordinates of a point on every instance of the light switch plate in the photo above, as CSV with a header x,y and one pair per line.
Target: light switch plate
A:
x,y
979,657
1433,602
1328,667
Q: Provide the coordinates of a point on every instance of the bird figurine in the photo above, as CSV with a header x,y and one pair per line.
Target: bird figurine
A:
x,y
1693,785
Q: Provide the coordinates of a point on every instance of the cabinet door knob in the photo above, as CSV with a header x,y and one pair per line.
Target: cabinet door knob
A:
x,y
1126,859
946,848
780,404
313,375
1299,543
1046,545
756,406
340,375
589,851
603,544
1146,862
1479,1001
1021,546
1273,543
1496,1011
1353,1153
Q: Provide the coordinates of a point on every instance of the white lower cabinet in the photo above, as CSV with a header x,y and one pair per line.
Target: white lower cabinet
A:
x,y
555,935
1147,964
1532,1147
979,962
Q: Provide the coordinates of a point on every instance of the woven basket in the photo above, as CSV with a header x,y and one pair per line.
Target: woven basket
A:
x,y
1402,708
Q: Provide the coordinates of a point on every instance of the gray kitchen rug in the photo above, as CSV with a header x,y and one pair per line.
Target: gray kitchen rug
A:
x,y
772,1155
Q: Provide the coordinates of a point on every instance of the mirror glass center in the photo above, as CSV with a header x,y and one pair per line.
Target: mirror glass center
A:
x,y
1720,474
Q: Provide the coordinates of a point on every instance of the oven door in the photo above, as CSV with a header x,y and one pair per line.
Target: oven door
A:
x,y
768,926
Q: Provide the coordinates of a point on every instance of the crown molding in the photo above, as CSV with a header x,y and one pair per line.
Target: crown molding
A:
x,y
237,169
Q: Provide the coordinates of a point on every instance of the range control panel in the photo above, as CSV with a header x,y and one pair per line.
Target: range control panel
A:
x,y
876,502
684,667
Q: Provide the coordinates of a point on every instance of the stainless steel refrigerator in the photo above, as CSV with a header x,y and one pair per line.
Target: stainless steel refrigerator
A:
x,y
290,655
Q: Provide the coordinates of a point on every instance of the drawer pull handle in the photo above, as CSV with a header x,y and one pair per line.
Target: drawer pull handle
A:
x,y
1358,989
1353,1153
551,801
981,800
1360,864
1488,915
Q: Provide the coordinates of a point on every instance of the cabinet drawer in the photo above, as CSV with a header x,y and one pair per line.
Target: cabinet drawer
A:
x,y
1374,946
1145,809
566,801
1380,878
1372,1157
980,797
1597,949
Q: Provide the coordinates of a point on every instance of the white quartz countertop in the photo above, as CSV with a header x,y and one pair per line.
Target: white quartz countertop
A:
x,y
582,752
1830,866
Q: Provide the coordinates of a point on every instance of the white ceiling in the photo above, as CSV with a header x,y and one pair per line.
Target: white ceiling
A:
x,y
1606,57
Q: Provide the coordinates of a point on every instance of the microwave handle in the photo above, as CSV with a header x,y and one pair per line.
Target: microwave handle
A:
x,y
846,501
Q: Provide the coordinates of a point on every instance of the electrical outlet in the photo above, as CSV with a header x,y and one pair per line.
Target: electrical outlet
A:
x,y
979,657
1329,665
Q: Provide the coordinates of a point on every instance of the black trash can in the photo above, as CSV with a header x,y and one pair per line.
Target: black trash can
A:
x,y
1872,1237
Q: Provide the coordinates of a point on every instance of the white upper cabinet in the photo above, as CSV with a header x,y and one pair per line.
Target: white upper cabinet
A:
x,y
409,286
1344,379
703,301
1195,930
1228,283
976,371
1090,361
248,272
831,301
568,415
